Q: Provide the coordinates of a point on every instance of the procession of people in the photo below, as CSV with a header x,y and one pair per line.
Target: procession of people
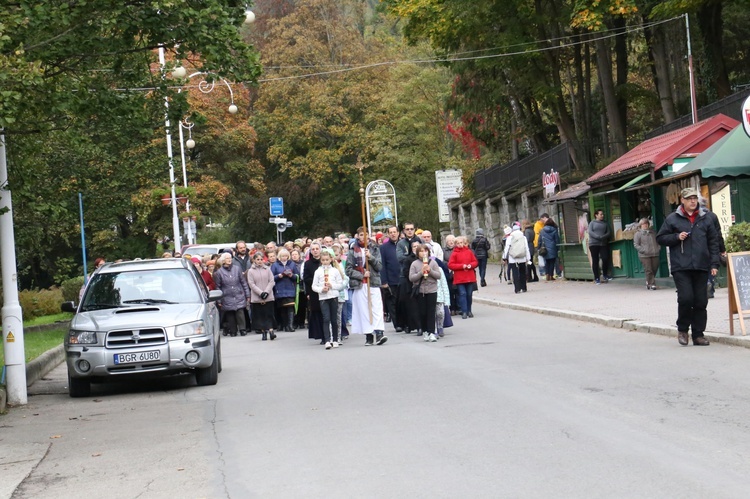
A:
x,y
337,286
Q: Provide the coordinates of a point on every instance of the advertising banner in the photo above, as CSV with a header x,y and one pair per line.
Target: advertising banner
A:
x,y
380,198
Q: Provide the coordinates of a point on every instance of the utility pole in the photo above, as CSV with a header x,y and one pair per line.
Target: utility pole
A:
x,y
15,358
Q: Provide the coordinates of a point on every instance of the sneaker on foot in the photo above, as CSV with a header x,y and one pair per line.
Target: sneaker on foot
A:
x,y
597,281
433,337
426,337
335,344
328,345
381,338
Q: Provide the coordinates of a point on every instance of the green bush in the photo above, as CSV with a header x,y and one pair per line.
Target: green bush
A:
x,y
738,238
71,288
37,303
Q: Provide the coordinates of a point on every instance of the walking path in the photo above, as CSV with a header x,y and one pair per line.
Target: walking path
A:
x,y
619,303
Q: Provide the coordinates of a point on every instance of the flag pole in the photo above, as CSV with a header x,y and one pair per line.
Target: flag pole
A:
x,y
361,166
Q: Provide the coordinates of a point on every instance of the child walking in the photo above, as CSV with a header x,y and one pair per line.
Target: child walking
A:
x,y
327,282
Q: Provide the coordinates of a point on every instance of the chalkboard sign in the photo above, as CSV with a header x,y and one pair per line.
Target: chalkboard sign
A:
x,y
738,266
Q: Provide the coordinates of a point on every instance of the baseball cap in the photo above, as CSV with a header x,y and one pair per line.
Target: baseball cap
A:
x,y
689,191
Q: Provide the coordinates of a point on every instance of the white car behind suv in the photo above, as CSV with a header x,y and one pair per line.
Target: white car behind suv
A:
x,y
143,317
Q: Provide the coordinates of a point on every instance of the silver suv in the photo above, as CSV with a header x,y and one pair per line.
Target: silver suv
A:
x,y
141,317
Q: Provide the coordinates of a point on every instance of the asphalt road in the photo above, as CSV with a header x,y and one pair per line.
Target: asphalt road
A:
x,y
508,404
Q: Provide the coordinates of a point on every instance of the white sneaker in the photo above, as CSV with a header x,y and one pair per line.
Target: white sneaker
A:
x,y
335,344
328,345
432,337
426,337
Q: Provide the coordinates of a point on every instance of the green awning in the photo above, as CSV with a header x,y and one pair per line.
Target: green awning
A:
x,y
630,183
727,157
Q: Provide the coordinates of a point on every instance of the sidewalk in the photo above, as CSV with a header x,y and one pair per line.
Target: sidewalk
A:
x,y
619,303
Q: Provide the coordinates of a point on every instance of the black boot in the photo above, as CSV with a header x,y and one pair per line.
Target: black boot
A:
x,y
273,335
290,318
264,338
368,340
243,332
484,283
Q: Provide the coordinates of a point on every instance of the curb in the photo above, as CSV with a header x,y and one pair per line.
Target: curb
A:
x,y
36,370
619,323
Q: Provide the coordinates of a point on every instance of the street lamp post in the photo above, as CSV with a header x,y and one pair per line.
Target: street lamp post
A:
x,y
175,220
190,144
206,87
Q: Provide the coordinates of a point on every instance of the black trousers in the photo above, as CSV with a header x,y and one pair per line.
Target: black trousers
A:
x,y
596,253
426,306
390,302
519,276
692,299
531,275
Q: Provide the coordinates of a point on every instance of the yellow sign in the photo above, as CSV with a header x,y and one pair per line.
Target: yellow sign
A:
x,y
10,338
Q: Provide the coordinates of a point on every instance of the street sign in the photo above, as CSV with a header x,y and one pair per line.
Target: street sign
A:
x,y
277,206
288,223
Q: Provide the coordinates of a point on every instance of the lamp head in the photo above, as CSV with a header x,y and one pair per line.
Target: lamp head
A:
x,y
249,17
179,72
190,144
233,109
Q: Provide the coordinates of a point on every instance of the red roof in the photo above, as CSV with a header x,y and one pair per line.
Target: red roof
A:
x,y
662,150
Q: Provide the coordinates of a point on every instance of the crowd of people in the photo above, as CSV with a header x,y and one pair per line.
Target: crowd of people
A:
x,y
339,286
342,286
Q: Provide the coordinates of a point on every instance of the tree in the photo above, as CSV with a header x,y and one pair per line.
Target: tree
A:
x,y
82,104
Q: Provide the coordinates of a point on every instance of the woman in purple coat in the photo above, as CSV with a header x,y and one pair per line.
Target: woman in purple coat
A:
x,y
231,281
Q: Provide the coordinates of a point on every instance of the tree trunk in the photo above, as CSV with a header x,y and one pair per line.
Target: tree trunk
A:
x,y
712,27
621,57
657,53
611,104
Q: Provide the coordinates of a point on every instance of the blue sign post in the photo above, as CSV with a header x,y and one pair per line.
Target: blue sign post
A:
x,y
277,207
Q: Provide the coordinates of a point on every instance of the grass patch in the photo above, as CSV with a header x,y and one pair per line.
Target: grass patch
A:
x,y
48,319
36,343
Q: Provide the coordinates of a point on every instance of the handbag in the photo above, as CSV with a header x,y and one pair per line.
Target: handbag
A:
x,y
542,249
447,320
415,288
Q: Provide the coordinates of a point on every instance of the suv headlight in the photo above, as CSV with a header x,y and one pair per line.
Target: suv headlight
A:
x,y
190,329
81,337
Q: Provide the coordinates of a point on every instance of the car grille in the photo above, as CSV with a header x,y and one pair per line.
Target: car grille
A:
x,y
136,338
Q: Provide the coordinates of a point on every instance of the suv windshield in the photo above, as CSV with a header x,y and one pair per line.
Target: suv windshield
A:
x,y
118,289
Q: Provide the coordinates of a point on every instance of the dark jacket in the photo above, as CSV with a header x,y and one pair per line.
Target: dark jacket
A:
x,y
243,263
599,233
700,251
551,238
403,247
234,286
391,267
530,235
309,269
481,247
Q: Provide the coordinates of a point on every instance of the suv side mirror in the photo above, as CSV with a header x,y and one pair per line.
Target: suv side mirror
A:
x,y
68,306
215,295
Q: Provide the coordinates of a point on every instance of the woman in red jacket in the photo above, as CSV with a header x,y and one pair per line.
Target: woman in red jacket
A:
x,y
463,263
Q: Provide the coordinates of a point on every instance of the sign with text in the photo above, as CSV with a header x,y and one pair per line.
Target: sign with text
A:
x,y
738,284
277,206
550,181
449,186
721,205
380,197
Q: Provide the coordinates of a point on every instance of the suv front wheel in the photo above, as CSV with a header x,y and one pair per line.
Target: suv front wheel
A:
x,y
78,387
209,375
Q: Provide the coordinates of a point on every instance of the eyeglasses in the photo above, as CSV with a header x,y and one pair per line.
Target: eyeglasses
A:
x,y
410,228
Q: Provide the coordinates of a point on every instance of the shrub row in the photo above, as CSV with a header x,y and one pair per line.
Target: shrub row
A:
x,y
41,302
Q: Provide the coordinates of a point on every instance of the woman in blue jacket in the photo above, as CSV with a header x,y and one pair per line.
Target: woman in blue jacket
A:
x,y
549,237
286,275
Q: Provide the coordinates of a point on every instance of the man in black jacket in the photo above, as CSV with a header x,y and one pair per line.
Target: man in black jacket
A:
x,y
390,275
693,243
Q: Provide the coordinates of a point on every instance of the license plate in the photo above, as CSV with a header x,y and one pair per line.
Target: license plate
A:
x,y
130,358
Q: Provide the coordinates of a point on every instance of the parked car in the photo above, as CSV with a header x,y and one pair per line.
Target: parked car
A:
x,y
143,317
206,249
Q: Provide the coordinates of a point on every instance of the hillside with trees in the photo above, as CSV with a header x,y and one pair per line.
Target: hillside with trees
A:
x,y
410,86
